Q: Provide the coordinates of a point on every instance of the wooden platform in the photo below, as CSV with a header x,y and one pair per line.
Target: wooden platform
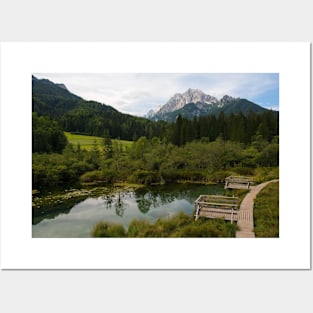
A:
x,y
238,182
213,206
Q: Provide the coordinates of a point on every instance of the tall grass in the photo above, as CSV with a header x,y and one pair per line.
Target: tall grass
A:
x,y
266,212
262,174
104,229
180,225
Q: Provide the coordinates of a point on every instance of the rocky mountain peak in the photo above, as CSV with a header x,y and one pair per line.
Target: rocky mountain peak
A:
x,y
179,100
194,102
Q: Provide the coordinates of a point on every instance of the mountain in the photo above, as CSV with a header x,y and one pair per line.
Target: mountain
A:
x,y
52,99
194,102
179,100
74,114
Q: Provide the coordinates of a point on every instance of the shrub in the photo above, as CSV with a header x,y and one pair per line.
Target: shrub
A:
x,y
269,155
262,174
91,176
144,177
106,175
246,171
218,176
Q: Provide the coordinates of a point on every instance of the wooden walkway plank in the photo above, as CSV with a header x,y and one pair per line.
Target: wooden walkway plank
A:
x,y
245,213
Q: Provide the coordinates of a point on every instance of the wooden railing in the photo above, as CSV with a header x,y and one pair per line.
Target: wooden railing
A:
x,y
238,182
213,206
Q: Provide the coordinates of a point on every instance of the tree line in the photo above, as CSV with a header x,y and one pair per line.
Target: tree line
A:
x,y
47,133
234,127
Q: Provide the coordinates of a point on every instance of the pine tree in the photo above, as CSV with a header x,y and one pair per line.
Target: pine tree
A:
x,y
107,145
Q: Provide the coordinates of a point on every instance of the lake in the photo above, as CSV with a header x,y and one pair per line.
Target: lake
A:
x,y
76,219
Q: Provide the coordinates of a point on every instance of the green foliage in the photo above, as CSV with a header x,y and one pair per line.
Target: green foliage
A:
x,y
179,225
104,229
77,115
155,161
87,142
262,174
245,127
92,176
138,228
269,156
143,177
47,135
51,99
55,170
104,175
266,212
107,145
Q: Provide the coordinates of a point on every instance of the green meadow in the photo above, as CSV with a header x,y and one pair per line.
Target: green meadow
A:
x,y
88,142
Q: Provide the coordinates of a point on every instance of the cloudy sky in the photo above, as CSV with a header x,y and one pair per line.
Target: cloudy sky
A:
x,y
138,93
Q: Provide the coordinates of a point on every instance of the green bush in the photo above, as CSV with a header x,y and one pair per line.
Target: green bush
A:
x,y
245,171
91,176
218,176
269,155
262,174
144,177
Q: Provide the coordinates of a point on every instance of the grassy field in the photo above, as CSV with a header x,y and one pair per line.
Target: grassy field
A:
x,y
266,212
87,142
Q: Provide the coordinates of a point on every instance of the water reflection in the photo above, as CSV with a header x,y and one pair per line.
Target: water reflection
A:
x,y
143,204
119,207
159,196
116,201
54,209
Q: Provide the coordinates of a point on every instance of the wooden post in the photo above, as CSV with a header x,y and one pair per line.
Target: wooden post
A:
x,y
197,211
232,215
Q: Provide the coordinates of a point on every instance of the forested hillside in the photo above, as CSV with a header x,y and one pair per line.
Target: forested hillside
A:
x,y
75,114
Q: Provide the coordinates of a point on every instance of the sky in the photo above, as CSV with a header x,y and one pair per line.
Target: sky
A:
x,y
137,93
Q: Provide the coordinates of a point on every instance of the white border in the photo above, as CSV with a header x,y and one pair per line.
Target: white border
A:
x,y
290,251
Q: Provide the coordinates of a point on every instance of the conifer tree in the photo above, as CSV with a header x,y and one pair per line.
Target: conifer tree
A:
x,y
107,145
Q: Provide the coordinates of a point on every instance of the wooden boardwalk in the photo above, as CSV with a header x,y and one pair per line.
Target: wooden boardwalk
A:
x,y
238,182
245,213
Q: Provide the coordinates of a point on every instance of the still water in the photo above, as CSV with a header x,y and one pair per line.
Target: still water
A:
x,y
121,207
